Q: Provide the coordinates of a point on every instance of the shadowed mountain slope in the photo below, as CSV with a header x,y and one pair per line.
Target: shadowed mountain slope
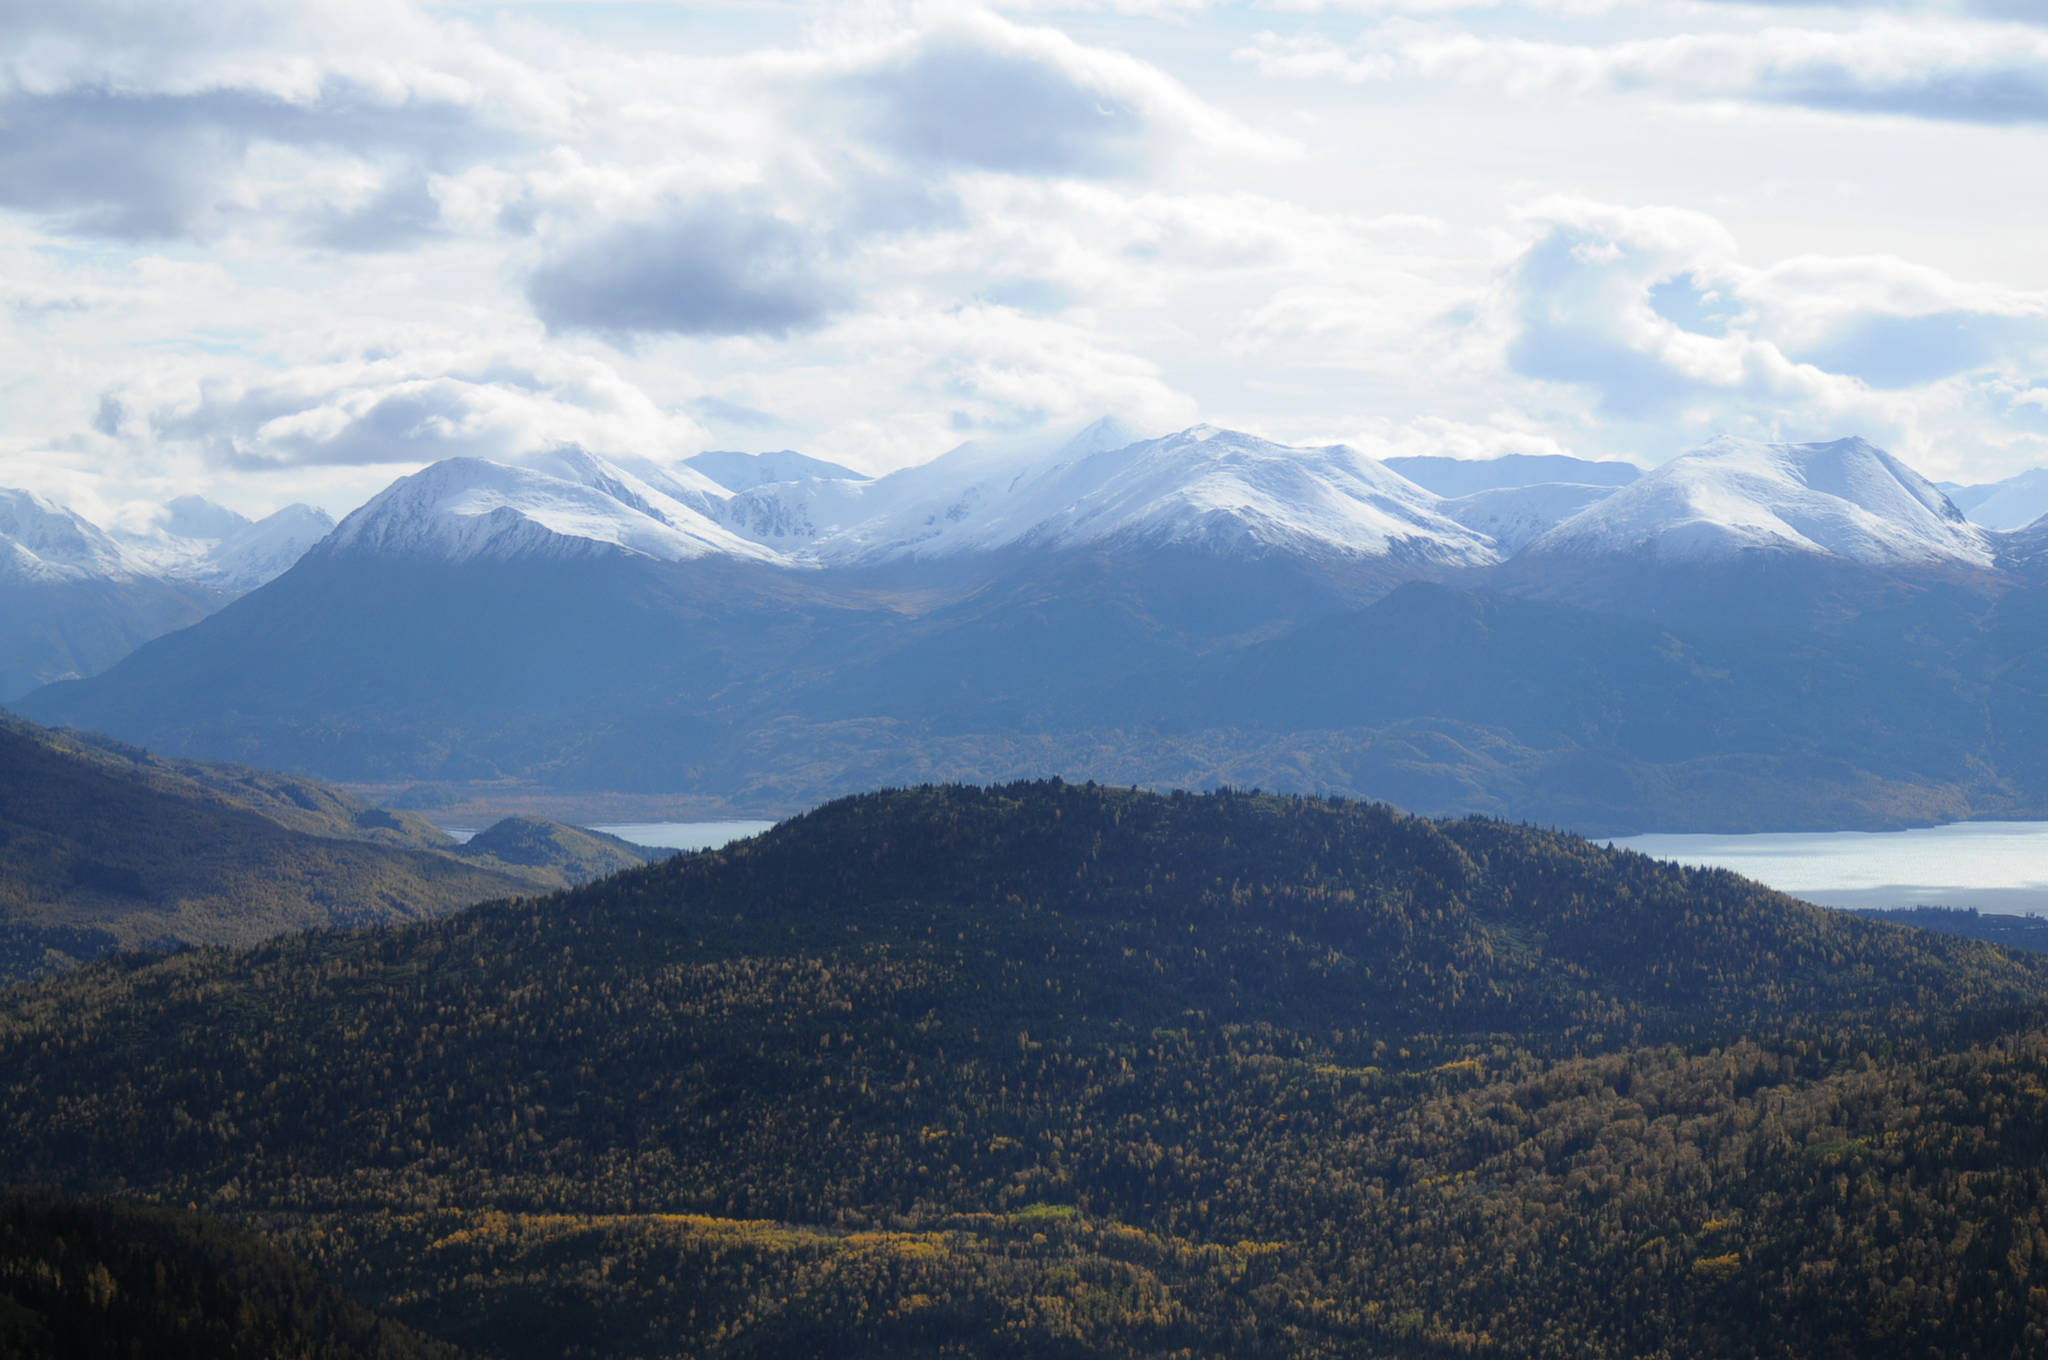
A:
x,y
105,847
104,1280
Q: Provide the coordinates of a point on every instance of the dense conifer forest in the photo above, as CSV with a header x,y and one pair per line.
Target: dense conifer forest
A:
x,y
1050,1070
108,1281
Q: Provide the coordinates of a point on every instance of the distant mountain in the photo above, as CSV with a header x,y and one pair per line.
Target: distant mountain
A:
x,y
1058,1071
74,598
1515,516
1830,641
104,847
1846,499
575,505
745,471
1217,491
571,853
210,545
72,601
2013,503
1456,477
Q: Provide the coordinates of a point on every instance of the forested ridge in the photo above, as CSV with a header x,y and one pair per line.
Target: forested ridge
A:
x,y
1054,1070
104,846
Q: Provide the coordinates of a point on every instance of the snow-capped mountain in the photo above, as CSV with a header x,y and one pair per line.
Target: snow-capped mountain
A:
x,y
569,503
2011,504
1229,493
745,471
1301,616
1846,499
75,600
213,546
266,549
40,540
1515,516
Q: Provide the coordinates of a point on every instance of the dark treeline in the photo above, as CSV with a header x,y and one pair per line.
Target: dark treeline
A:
x,y
2018,932
1052,1070
108,1281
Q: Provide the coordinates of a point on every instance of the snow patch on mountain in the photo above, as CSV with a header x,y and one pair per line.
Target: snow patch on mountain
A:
x,y
1846,499
40,540
1515,516
574,503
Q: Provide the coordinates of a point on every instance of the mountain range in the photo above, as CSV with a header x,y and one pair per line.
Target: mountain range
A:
x,y
75,598
1748,636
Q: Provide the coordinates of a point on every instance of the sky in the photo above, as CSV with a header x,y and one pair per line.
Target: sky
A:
x,y
274,252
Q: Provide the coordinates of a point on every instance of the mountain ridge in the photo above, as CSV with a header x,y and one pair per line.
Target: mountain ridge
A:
x,y
106,847
1101,608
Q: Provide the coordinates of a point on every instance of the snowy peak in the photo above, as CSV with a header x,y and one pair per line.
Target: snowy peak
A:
x,y
209,545
42,540
574,504
1845,499
745,471
265,550
1219,490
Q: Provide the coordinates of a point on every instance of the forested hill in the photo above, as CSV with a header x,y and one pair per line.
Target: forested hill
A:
x,y
1052,1070
103,846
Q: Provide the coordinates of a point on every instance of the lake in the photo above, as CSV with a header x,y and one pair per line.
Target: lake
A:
x,y
1993,866
684,835
661,835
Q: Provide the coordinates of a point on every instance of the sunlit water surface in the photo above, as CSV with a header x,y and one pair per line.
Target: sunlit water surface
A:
x,y
1993,866
662,835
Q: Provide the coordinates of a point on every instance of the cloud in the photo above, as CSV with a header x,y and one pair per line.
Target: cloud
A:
x,y
719,411
957,104
705,269
980,94
148,121
155,165
404,212
1653,313
1581,300
1941,71
414,409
